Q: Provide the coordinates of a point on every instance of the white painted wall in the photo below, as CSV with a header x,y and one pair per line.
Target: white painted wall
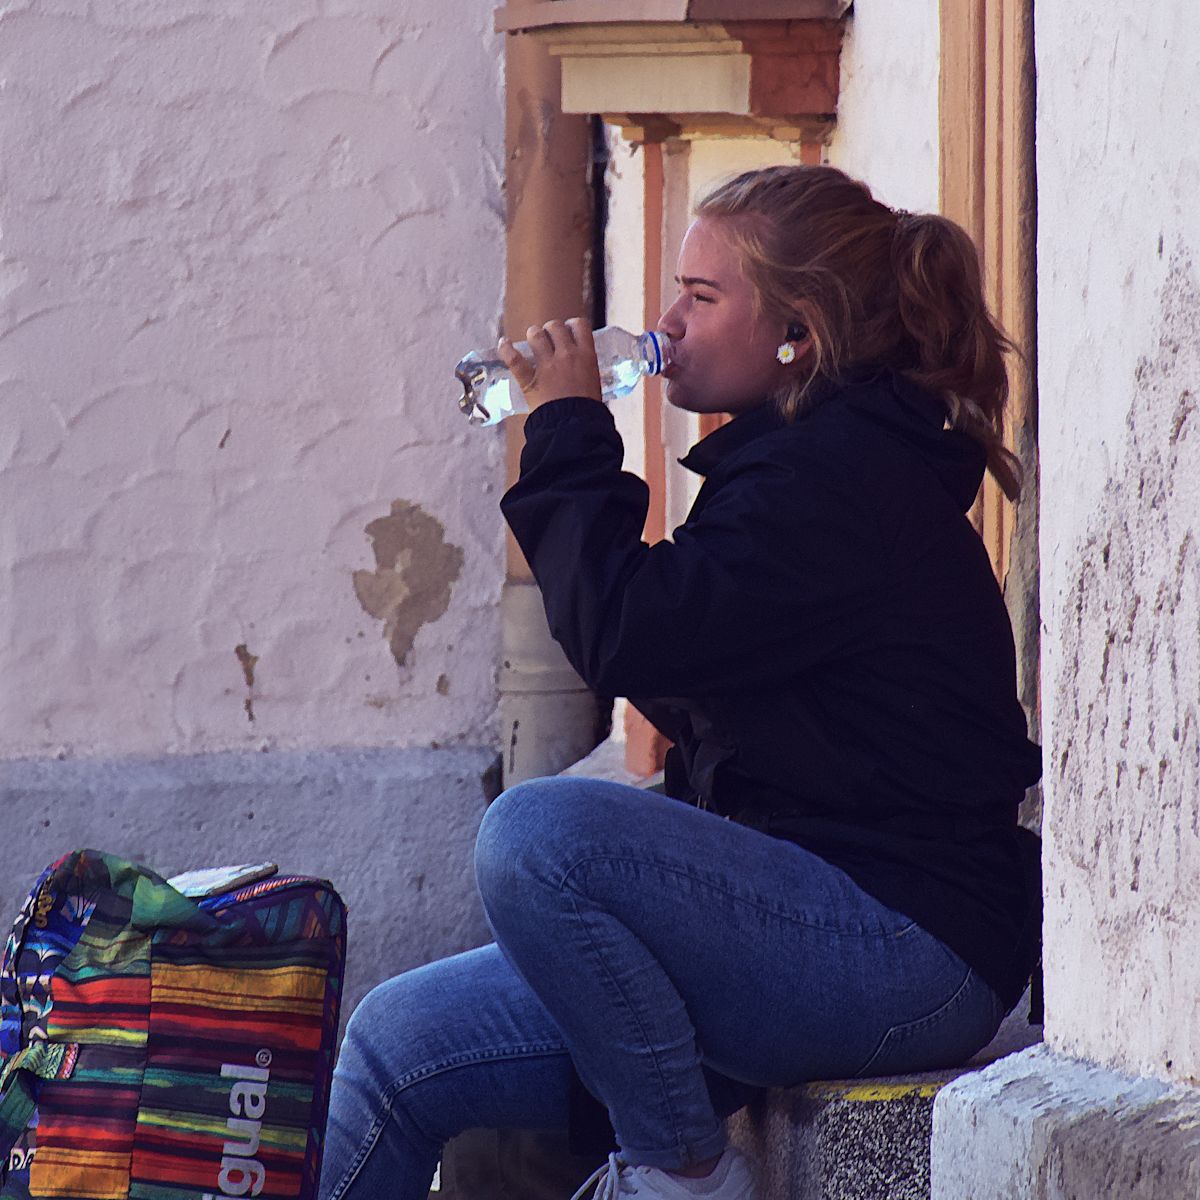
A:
x,y
887,127
1119,377
624,267
243,246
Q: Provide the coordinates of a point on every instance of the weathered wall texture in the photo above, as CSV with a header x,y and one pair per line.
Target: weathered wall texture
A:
x,y
243,246
887,127
1041,1127
1119,368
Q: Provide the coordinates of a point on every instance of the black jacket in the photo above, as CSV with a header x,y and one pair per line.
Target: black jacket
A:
x,y
823,639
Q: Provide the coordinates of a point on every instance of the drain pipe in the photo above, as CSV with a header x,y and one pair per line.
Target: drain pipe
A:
x,y
548,717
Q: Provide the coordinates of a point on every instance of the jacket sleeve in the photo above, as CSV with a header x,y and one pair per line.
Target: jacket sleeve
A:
x,y
775,574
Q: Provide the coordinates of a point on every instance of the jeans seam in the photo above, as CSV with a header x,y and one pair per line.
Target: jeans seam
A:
x,y
533,1049
671,1113
530,1050
364,1150
918,1024
755,902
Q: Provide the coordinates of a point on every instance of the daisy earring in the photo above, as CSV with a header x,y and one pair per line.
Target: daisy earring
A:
x,y
787,349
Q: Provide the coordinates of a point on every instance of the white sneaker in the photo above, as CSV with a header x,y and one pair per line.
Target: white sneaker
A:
x,y
730,1179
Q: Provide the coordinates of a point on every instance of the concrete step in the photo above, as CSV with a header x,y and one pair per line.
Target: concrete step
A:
x,y
857,1139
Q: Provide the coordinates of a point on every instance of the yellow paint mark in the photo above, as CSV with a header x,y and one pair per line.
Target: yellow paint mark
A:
x,y
874,1092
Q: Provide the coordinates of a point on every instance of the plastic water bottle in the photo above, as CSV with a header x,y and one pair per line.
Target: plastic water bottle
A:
x,y
490,393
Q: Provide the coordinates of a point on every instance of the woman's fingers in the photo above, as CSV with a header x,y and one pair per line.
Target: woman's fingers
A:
x,y
580,329
521,368
538,338
562,361
553,336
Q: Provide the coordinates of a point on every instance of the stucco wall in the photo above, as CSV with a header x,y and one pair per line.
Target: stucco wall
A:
x,y
1119,367
243,246
887,126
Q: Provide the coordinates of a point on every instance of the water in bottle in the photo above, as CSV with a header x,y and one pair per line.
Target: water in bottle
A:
x,y
490,393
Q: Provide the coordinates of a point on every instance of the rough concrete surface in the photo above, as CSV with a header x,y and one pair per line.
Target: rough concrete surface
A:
x,y
1119,377
820,1144
863,1139
392,830
1036,1126
1124,845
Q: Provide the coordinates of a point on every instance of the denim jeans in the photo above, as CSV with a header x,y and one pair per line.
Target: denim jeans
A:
x,y
678,960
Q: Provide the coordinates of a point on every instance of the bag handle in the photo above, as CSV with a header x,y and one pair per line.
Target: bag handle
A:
x,y
155,904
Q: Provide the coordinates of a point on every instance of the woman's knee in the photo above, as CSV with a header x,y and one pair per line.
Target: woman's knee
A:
x,y
524,834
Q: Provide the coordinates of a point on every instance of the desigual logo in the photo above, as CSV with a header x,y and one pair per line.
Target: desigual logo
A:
x,y
20,1158
241,1173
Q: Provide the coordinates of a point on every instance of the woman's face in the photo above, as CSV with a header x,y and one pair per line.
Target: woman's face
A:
x,y
724,357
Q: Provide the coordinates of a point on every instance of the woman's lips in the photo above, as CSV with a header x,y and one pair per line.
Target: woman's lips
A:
x,y
670,371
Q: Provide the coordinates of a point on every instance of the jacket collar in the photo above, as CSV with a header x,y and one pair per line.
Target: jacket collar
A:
x,y
765,418
882,396
731,437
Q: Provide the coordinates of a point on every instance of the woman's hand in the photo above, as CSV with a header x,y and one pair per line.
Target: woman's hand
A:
x,y
564,362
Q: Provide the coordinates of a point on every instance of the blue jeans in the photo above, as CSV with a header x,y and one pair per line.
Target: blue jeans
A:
x,y
672,956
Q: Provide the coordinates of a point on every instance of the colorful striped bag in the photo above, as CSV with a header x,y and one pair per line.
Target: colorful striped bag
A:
x,y
157,1045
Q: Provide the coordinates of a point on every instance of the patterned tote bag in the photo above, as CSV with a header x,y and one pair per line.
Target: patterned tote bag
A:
x,y
168,1040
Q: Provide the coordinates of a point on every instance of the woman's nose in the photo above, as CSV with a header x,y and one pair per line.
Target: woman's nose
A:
x,y
671,322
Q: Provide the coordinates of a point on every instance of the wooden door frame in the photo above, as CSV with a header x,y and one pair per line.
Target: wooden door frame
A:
x,y
988,185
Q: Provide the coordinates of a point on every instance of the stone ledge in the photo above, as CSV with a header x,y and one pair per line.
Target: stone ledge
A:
x,y
1042,1127
860,1139
539,14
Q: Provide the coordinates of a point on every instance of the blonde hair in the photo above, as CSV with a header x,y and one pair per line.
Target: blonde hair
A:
x,y
874,287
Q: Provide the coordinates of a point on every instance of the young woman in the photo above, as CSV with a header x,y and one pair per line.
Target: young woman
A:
x,y
843,890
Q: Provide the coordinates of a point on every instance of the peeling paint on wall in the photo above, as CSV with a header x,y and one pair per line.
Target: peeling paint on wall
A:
x,y
1126,738
249,662
415,569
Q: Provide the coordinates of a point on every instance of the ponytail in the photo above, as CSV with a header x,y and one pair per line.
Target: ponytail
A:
x,y
957,347
874,287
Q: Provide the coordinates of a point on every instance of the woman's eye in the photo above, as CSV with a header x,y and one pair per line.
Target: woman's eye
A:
x,y
703,299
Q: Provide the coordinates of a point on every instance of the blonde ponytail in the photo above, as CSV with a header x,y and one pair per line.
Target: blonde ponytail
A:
x,y
958,347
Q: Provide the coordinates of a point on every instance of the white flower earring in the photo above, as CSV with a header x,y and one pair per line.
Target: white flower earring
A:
x,y
787,350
